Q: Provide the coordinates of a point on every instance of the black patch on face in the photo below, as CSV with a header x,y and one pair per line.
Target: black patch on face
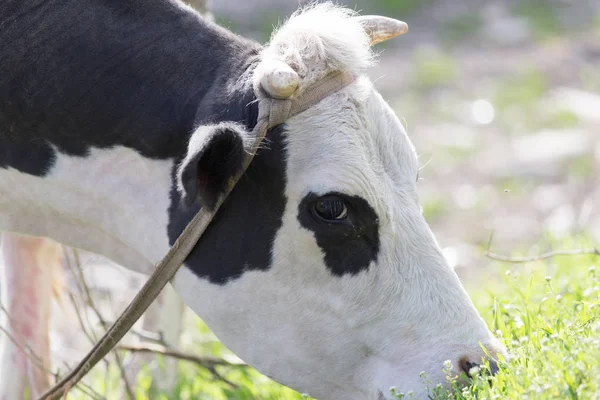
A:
x,y
349,245
241,235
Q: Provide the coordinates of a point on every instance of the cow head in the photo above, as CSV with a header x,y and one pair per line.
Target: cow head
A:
x,y
319,269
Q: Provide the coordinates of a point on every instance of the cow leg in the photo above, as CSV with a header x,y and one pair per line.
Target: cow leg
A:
x,y
26,289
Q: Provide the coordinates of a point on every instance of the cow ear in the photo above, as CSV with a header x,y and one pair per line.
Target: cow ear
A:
x,y
215,154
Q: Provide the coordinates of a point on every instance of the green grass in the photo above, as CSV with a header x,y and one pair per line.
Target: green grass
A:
x,y
549,318
547,314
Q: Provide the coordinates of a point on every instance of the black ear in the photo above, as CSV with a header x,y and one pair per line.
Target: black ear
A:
x,y
215,154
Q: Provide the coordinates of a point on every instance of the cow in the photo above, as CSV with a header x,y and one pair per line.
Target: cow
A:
x,y
119,120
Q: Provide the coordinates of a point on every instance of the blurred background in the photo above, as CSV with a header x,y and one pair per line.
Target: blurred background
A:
x,y
502,101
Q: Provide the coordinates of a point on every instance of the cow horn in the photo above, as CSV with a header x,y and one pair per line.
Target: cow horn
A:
x,y
278,79
382,28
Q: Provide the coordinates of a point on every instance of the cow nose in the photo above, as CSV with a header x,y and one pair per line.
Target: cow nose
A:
x,y
467,365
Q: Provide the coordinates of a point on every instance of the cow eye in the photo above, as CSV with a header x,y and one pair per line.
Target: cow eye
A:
x,y
331,208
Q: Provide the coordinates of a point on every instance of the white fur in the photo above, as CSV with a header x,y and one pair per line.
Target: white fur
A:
x,y
319,39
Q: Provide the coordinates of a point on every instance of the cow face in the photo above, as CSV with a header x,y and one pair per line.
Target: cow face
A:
x,y
319,269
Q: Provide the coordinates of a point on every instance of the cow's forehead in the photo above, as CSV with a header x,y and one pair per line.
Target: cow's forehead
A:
x,y
352,142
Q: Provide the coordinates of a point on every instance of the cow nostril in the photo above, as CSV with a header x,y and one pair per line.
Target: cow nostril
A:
x,y
467,366
472,368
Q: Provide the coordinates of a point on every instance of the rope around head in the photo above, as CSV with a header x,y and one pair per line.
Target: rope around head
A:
x,y
271,112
